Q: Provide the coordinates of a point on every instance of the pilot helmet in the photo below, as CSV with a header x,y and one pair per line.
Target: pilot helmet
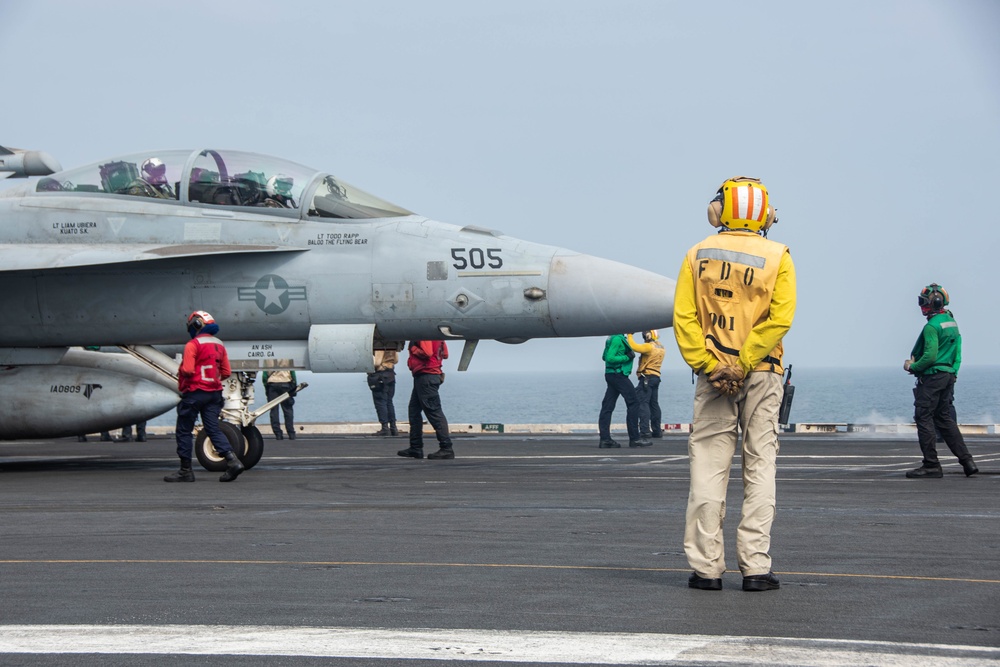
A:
x,y
154,171
651,335
198,320
742,203
279,184
932,299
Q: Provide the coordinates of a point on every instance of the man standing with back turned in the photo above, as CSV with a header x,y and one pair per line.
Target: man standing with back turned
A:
x,y
647,389
935,360
734,302
618,358
276,383
425,362
383,385
204,366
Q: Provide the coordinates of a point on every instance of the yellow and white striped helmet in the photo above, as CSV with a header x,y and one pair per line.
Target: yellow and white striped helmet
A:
x,y
743,204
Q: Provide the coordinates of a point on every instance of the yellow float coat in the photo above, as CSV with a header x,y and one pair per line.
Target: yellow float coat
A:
x,y
734,301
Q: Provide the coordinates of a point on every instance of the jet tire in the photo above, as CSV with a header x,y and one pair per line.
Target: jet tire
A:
x,y
255,446
210,459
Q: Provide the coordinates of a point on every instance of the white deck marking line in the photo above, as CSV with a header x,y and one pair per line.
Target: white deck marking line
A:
x,y
478,645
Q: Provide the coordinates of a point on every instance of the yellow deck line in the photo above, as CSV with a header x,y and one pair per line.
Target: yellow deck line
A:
x,y
525,566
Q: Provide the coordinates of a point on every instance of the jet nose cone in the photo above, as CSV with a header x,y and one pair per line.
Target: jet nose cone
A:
x,y
40,163
590,296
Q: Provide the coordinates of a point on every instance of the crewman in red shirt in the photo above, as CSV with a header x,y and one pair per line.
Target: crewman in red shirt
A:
x,y
204,366
425,364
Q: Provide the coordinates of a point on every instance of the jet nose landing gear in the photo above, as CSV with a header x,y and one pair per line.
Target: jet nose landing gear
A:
x,y
237,424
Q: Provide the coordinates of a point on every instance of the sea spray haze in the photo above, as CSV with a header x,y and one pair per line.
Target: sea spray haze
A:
x,y
844,395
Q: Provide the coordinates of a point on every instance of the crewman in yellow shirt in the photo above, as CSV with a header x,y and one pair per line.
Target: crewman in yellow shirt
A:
x,y
276,383
734,302
647,389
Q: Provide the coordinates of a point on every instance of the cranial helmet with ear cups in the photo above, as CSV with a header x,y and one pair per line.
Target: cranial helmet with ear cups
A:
x,y
742,202
197,321
932,299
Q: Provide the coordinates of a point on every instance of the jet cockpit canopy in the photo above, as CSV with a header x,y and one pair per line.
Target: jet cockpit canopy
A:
x,y
232,179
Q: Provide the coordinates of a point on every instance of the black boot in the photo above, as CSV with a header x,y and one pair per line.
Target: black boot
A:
x,y
761,582
411,452
185,474
278,435
392,429
443,453
233,469
704,583
925,472
383,431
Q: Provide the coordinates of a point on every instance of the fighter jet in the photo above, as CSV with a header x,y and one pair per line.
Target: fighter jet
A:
x,y
301,270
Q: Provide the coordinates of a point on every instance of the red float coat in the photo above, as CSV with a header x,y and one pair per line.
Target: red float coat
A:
x,y
426,356
204,365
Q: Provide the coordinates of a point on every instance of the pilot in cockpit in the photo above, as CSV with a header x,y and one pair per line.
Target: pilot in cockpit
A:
x,y
279,192
152,181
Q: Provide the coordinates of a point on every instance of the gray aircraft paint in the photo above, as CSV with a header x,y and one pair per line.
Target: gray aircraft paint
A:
x,y
84,267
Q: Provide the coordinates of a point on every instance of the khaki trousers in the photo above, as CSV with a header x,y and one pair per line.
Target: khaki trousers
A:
x,y
711,448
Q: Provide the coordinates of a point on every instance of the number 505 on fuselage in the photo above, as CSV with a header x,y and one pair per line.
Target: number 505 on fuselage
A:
x,y
299,268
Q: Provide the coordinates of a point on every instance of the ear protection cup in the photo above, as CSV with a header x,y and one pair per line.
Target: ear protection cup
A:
x,y
933,297
715,213
772,217
198,319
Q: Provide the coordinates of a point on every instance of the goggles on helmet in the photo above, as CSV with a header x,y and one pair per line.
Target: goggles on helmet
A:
x,y
932,298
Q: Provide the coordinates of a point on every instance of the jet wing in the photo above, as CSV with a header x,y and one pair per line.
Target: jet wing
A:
x,y
40,256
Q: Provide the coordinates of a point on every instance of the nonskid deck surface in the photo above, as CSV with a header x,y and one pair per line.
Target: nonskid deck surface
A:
x,y
529,549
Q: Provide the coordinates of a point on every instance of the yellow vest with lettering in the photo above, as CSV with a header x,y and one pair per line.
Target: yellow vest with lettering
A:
x,y
734,276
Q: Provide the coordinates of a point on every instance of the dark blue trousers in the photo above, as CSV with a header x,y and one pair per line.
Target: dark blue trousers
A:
x,y
425,398
383,386
619,385
933,409
273,390
207,404
647,390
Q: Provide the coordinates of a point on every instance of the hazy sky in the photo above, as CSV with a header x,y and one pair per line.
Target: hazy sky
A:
x,y
601,127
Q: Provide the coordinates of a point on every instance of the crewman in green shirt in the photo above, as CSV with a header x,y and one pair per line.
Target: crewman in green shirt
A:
x,y
935,360
618,358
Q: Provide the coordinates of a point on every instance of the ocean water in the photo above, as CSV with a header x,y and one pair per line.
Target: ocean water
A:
x,y
843,395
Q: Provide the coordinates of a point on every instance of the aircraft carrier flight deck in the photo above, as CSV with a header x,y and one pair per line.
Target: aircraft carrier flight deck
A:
x,y
535,549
